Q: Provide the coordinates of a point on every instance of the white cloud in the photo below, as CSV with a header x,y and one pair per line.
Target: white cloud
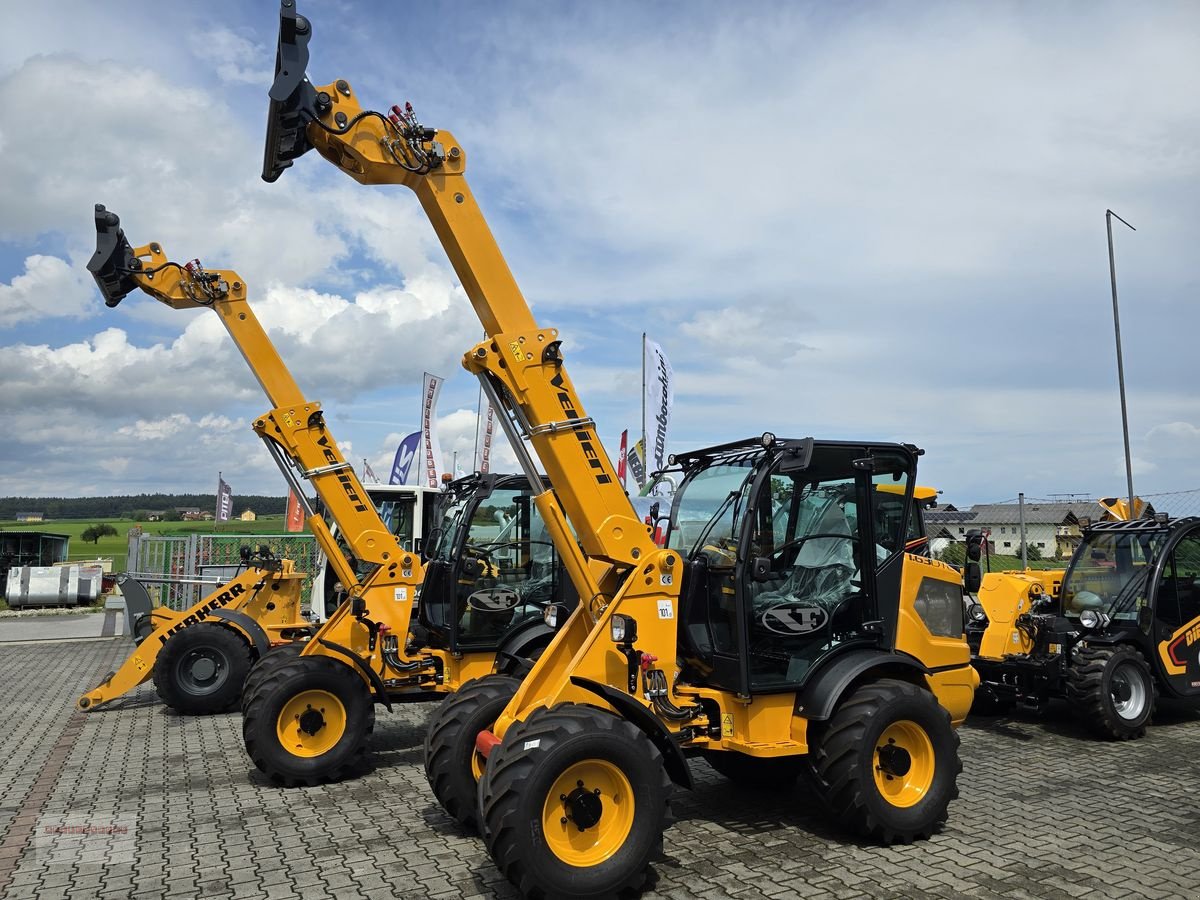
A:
x,y
49,288
235,59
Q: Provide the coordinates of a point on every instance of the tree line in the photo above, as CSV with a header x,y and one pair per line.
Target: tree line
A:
x,y
133,506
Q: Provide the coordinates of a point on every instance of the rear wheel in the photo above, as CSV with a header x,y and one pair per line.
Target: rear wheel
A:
x,y
574,803
757,772
888,762
452,764
200,670
275,657
1113,690
308,722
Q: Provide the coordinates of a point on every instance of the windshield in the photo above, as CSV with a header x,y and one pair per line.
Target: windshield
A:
x,y
708,507
444,537
1109,573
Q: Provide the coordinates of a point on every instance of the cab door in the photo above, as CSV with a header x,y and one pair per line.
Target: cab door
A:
x,y
1177,615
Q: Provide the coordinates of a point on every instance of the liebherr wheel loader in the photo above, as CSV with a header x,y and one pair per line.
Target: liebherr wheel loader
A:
x,y
1122,630
199,657
308,708
821,641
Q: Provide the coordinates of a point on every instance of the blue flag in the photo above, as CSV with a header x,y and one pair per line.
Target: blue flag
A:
x,y
405,454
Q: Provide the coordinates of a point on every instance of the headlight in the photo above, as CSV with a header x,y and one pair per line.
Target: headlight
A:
x,y
550,615
1093,619
623,629
976,613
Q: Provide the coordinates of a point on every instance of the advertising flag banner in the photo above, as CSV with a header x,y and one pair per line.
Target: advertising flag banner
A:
x,y
637,463
485,456
224,500
621,456
402,466
295,513
368,472
660,398
431,450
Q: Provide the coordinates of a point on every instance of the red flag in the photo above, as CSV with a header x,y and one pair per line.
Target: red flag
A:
x,y
295,514
621,456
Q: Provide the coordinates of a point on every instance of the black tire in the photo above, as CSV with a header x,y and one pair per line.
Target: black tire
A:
x,y
287,683
200,670
276,656
518,787
849,753
450,743
1113,690
774,773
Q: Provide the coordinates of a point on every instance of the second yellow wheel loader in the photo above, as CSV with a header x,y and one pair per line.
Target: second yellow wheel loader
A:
x,y
308,708
795,628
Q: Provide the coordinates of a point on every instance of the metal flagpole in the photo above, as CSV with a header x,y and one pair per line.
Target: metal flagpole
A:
x,y
643,392
1112,272
478,419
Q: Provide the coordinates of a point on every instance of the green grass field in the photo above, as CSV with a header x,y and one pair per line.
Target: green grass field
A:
x,y
115,547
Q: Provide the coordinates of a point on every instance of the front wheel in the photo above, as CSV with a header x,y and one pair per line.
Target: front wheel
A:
x,y
200,670
574,803
308,721
888,762
452,764
276,656
1113,690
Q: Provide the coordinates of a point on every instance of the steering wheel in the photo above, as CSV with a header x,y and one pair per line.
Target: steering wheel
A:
x,y
796,542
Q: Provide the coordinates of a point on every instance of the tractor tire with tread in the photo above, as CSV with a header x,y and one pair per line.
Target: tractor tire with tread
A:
x,y
517,803
852,768
293,752
1095,678
450,743
276,656
201,669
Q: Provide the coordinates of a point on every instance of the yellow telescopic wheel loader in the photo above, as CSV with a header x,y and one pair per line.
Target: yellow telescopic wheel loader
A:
x,y
200,657
1123,629
788,627
308,709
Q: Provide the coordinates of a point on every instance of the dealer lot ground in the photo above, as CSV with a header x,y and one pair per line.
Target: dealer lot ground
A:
x,y
133,801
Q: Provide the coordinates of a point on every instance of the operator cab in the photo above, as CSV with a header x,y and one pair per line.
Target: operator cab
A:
x,y
1139,581
492,568
408,511
794,553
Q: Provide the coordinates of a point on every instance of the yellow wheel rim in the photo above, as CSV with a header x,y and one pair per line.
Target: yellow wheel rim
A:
x,y
904,763
588,813
311,723
477,764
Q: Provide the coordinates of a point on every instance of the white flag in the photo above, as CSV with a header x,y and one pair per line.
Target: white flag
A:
x,y
431,450
660,398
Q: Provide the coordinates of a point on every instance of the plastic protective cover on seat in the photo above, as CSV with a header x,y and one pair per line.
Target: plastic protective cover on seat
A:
x,y
824,567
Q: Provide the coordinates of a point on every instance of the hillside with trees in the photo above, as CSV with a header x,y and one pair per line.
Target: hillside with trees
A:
x,y
132,506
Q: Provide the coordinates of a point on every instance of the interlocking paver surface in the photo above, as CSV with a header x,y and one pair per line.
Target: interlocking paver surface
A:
x,y
133,801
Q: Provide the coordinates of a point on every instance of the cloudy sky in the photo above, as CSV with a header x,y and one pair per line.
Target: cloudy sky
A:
x,y
856,220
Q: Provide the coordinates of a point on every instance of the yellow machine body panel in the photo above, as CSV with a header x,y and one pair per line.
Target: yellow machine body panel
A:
x,y
1005,597
926,582
271,599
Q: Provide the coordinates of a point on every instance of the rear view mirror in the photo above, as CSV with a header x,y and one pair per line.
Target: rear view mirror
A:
x,y
974,545
972,577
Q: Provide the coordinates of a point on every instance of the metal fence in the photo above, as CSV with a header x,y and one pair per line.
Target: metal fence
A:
x,y
180,569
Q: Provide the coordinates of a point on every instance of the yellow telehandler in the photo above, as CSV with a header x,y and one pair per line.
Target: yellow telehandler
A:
x,y
784,626
486,583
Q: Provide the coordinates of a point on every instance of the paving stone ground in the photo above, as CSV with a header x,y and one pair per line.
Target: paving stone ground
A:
x,y
133,801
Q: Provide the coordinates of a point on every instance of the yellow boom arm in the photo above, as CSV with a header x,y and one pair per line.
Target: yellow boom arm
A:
x,y
295,433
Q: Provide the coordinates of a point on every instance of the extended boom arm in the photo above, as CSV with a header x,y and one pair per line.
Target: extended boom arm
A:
x,y
520,366
294,432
